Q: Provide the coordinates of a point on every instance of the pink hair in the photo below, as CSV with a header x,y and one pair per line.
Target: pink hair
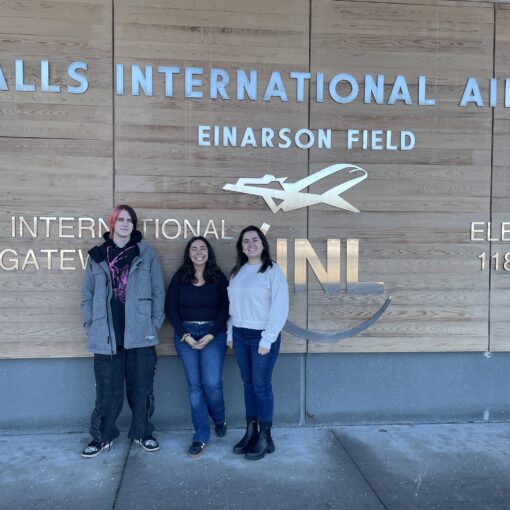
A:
x,y
112,219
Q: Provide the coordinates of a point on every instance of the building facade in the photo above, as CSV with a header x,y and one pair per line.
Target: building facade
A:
x,y
369,139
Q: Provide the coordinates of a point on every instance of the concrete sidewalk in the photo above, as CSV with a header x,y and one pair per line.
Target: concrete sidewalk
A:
x,y
461,466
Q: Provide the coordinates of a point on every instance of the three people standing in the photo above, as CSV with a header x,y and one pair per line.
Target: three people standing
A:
x,y
122,306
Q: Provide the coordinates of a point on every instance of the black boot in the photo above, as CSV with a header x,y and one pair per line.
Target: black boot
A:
x,y
250,436
263,445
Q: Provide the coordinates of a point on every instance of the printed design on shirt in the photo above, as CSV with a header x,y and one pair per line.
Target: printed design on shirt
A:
x,y
119,273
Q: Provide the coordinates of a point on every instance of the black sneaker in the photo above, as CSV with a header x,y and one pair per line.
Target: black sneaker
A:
x,y
148,443
95,448
220,429
196,449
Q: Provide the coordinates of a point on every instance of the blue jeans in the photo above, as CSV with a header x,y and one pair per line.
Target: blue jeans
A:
x,y
256,372
204,371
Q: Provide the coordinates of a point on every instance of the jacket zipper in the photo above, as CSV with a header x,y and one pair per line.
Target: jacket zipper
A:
x,y
108,316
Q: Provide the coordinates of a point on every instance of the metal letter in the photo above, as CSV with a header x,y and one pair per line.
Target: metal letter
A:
x,y
422,92
3,83
190,82
249,138
400,91
138,79
90,227
493,95
177,224
219,80
82,80
471,93
48,220
281,255
246,85
353,286
319,91
62,227
376,142
188,226
307,132
275,88
352,136
374,90
404,144
505,230
83,260
169,78
20,78
210,229
229,136
324,139
476,231
300,84
204,136
30,258
49,254
267,137
45,78
64,259
389,144
304,253
119,79
352,82
103,227
2,265
23,223
282,133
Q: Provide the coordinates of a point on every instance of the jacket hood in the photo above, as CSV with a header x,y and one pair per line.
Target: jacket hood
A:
x,y
98,253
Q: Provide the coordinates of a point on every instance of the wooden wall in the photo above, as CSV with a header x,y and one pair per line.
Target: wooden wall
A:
x,y
77,155
56,161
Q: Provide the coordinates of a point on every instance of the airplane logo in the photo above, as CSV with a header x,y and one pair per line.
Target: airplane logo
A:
x,y
292,196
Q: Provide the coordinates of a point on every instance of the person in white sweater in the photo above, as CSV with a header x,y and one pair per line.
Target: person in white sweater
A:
x,y
259,305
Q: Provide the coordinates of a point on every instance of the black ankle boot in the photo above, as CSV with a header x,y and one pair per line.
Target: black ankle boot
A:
x,y
263,445
250,436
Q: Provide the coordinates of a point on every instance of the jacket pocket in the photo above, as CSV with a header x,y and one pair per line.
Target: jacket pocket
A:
x,y
98,313
144,306
99,333
144,319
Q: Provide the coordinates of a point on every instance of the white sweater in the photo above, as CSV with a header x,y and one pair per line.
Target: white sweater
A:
x,y
259,301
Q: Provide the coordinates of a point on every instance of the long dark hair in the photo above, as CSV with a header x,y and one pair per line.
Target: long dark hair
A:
x,y
211,270
242,258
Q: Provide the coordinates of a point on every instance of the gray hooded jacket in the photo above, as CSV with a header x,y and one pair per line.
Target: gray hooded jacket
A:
x,y
145,298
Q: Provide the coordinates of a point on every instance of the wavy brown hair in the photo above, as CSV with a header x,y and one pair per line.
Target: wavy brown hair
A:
x,y
242,259
187,270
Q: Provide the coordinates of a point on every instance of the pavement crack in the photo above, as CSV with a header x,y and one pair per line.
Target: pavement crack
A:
x,y
122,476
419,479
372,488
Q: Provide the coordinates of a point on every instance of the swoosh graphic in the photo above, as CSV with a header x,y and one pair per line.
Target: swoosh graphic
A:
x,y
315,336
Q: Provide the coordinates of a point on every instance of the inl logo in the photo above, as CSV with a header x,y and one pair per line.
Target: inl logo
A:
x,y
330,280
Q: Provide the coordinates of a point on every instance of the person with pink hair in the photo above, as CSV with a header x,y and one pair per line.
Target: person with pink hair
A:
x,y
122,305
